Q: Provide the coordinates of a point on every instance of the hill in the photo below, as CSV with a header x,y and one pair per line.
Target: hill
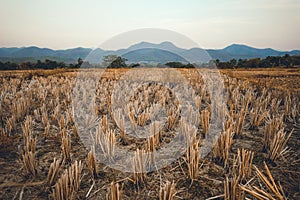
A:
x,y
164,51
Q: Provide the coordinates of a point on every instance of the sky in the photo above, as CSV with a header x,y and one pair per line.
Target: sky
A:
x,y
62,24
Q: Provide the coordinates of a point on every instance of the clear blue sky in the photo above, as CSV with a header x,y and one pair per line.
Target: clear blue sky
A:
x,y
61,24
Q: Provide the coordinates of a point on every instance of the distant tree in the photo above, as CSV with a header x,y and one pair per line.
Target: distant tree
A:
x,y
241,63
252,63
286,60
175,65
189,65
233,63
114,61
295,60
25,65
133,65
79,63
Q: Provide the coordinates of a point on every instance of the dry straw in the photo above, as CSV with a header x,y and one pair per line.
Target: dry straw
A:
x,y
45,119
47,131
104,123
114,192
66,148
29,142
62,122
271,127
29,163
92,162
29,157
259,112
272,190
232,190
222,146
240,122
11,124
242,165
68,184
192,159
167,192
277,146
53,172
205,114
120,121
139,163
106,141
172,118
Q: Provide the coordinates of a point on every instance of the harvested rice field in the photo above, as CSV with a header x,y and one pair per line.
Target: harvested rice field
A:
x,y
113,134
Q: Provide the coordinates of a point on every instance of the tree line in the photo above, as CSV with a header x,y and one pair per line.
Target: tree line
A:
x,y
268,62
47,64
113,61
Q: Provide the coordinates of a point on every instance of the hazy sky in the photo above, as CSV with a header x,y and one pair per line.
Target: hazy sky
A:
x,y
62,24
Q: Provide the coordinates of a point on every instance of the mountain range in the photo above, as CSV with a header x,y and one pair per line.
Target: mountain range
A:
x,y
141,52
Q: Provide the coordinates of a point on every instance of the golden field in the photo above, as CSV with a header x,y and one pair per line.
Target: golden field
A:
x,y
256,153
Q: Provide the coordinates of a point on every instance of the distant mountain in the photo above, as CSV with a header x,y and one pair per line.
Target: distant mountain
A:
x,y
153,55
73,53
243,50
143,51
33,52
239,51
6,52
294,52
168,46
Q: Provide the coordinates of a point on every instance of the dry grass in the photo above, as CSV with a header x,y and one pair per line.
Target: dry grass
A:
x,y
271,127
151,149
154,139
222,146
45,119
62,122
242,165
106,141
37,117
29,141
240,122
120,121
104,123
232,190
75,131
11,124
53,172
66,148
139,166
29,163
92,162
205,115
114,192
29,155
47,131
259,111
192,159
68,184
172,119
168,191
277,146
272,190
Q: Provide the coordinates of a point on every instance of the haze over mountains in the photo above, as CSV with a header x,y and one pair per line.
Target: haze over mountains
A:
x,y
142,52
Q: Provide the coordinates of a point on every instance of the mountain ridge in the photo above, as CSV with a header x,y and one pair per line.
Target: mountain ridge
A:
x,y
233,51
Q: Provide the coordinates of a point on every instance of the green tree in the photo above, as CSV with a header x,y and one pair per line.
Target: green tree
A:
x,y
114,61
233,63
